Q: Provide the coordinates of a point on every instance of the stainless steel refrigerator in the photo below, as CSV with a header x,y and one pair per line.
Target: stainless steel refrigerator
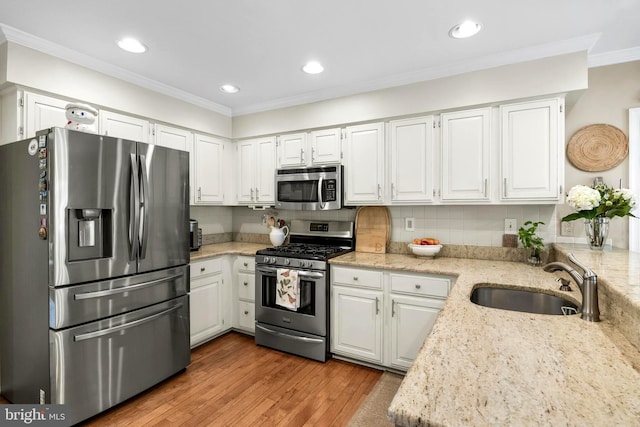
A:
x,y
94,269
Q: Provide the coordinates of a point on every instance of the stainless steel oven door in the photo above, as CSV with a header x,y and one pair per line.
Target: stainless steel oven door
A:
x,y
311,317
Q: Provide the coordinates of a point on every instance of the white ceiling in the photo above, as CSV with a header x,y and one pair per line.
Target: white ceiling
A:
x,y
195,46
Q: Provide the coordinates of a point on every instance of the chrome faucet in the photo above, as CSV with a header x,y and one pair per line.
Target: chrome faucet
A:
x,y
588,283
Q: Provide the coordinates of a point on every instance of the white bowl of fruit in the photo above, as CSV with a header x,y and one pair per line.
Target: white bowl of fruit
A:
x,y
426,246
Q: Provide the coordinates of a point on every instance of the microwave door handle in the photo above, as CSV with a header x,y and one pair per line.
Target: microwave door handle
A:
x,y
322,203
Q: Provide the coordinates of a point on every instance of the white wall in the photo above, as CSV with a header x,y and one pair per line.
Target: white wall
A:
x,y
560,74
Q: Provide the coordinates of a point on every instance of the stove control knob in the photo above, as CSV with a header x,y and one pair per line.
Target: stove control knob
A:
x,y
266,260
304,263
272,260
287,261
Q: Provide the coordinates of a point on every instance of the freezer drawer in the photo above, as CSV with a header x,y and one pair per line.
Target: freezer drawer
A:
x,y
88,302
98,365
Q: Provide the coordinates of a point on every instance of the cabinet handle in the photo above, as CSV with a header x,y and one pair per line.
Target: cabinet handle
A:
x,y
202,269
313,154
393,190
302,155
257,197
246,284
252,194
199,193
245,264
393,308
355,278
377,305
418,286
485,187
504,189
379,188
246,312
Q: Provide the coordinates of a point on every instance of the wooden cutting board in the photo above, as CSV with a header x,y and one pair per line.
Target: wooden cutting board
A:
x,y
372,229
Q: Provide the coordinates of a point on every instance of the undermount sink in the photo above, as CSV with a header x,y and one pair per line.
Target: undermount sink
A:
x,y
522,300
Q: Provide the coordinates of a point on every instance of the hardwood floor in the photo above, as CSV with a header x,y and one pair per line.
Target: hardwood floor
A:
x,y
233,382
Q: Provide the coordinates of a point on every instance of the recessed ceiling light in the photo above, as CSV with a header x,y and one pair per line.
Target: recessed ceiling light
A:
x,y
464,30
313,67
132,45
229,88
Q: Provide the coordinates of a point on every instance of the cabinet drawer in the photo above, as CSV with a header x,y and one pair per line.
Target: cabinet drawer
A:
x,y
356,277
420,285
245,263
246,315
205,268
246,286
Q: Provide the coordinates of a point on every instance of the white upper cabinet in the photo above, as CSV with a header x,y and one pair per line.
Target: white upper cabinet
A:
x,y
326,146
532,150
43,112
466,153
256,164
364,164
411,160
309,148
170,137
209,159
292,150
126,127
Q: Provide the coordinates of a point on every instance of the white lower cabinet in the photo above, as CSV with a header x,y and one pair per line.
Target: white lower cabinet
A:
x,y
207,300
244,293
383,317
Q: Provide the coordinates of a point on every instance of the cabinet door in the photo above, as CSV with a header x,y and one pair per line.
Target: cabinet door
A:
x,y
121,126
291,149
167,136
265,170
208,153
411,321
364,164
43,112
246,172
205,301
530,135
412,165
466,137
326,146
357,323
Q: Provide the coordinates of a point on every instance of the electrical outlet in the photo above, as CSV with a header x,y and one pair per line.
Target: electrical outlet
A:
x,y
510,226
566,228
409,224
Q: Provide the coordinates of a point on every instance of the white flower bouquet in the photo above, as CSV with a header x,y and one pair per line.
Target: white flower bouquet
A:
x,y
599,202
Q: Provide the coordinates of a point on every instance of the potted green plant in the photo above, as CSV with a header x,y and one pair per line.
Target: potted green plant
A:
x,y
531,242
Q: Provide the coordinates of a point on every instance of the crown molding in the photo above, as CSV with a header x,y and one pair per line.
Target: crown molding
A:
x,y
25,39
614,57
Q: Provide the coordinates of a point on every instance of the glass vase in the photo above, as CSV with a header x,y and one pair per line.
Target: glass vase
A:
x,y
597,230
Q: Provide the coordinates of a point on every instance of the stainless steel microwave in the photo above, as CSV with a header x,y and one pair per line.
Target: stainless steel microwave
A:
x,y
310,189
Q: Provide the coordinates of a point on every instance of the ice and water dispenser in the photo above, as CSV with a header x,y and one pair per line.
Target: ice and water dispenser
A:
x,y
89,233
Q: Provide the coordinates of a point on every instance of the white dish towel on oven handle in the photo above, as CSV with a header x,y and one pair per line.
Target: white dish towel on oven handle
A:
x,y
287,289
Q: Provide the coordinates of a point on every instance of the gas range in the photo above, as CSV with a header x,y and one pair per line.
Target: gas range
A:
x,y
312,243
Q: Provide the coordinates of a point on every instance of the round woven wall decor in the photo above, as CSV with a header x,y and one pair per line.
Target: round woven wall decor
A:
x,y
597,148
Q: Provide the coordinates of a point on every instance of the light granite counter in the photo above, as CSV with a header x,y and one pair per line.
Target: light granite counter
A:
x,y
481,366
228,248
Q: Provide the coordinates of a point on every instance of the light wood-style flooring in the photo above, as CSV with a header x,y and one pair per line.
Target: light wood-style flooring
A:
x,y
233,382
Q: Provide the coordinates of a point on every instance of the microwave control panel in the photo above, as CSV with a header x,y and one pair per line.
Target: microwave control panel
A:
x,y
329,190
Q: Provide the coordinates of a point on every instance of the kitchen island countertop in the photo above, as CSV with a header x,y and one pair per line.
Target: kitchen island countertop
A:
x,y
482,366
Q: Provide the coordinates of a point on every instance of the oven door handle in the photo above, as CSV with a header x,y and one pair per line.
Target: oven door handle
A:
x,y
291,337
301,273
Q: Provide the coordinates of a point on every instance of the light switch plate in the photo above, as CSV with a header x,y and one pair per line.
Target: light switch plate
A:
x,y
409,224
510,226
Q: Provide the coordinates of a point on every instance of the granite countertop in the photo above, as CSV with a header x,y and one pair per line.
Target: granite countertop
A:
x,y
483,366
228,248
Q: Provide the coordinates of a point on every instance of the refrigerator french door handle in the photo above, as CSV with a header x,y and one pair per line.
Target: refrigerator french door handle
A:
x,y
134,212
144,208
103,332
107,292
